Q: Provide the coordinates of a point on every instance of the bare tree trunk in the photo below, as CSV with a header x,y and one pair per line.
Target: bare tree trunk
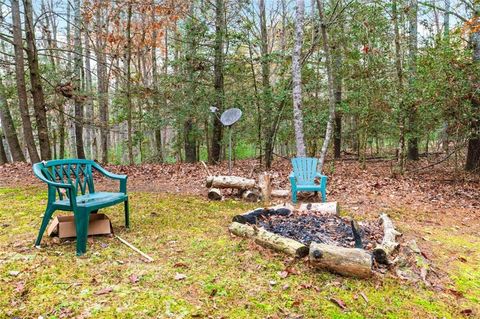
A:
x,y
297,80
331,95
399,69
219,85
412,114
337,141
102,84
21,86
79,99
3,154
128,93
446,20
9,127
37,90
156,100
266,88
473,151
89,101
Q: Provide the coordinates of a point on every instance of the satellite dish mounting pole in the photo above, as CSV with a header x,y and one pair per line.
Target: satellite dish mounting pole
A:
x,y
228,118
230,150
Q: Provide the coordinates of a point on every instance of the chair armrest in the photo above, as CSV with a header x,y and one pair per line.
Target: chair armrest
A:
x,y
121,178
292,178
323,179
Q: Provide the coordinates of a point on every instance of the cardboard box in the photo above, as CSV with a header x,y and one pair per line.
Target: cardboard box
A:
x,y
64,226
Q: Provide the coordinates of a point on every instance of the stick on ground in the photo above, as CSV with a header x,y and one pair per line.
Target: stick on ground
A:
x,y
147,257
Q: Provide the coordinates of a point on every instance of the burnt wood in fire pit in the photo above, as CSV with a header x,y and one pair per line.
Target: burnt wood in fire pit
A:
x,y
259,213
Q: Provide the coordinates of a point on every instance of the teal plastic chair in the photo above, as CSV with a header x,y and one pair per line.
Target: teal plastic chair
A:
x,y
71,188
302,179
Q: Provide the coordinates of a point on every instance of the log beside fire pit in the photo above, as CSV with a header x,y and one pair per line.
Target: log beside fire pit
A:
x,y
334,243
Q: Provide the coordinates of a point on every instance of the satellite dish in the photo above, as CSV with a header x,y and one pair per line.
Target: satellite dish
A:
x,y
230,116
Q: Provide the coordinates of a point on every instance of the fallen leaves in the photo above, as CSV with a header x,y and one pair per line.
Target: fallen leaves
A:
x,y
134,278
104,291
339,302
179,277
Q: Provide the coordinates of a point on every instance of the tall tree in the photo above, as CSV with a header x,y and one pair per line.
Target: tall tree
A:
x,y
412,54
21,86
36,83
101,24
337,58
330,84
79,98
400,91
297,79
266,88
218,69
128,92
473,151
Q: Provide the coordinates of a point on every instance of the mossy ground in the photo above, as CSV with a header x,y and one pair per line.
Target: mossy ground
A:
x,y
225,277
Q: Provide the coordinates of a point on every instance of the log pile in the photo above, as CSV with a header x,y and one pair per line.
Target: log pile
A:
x,y
249,189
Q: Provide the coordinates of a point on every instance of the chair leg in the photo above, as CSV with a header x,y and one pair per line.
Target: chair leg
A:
x,y
82,218
127,215
294,196
46,218
324,195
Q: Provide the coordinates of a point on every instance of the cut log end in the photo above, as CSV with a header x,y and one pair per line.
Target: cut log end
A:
x,y
251,196
214,194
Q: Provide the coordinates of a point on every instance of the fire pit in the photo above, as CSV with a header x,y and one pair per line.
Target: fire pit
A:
x,y
338,244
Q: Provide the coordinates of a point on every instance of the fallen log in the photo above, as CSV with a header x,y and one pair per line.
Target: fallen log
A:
x,y
280,193
253,216
250,196
214,194
265,186
389,244
329,207
229,182
352,262
270,240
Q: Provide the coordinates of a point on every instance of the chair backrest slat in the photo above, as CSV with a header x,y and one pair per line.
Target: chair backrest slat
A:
x,y
77,172
305,169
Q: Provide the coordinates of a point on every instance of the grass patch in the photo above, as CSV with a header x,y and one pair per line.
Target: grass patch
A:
x,y
225,277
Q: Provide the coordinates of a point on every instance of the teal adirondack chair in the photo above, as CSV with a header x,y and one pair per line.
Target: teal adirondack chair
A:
x,y
68,178
302,179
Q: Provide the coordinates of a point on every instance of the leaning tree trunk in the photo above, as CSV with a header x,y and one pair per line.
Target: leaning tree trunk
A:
x,y
218,66
37,90
21,86
297,79
330,82
473,151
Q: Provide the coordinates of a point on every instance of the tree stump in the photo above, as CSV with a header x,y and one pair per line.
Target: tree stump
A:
x,y
250,196
265,186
